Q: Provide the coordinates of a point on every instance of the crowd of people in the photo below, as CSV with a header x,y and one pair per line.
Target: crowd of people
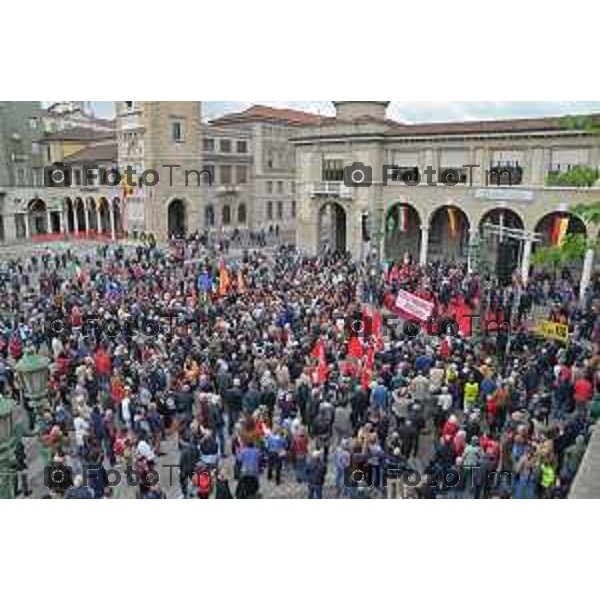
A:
x,y
254,370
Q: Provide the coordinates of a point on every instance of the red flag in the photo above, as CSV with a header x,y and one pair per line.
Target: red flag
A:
x,y
377,331
355,348
370,361
223,280
322,371
365,380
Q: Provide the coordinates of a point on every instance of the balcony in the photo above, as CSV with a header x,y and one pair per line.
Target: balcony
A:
x,y
228,190
332,189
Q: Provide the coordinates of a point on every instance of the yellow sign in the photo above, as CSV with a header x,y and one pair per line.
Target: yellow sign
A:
x,y
553,331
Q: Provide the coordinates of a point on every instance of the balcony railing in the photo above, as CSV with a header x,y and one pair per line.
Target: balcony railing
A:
x,y
335,189
227,190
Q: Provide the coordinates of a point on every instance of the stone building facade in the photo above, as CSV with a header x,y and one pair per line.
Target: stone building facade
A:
x,y
506,196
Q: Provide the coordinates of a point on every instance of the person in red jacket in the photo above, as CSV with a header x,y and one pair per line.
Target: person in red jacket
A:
x,y
583,390
103,366
451,427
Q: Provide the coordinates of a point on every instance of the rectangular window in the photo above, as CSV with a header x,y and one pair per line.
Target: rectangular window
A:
x,y
293,209
33,124
333,170
225,174
269,210
241,174
35,148
208,144
564,159
211,169
269,187
20,228
177,131
21,177
280,210
36,174
77,176
225,145
293,187
280,187
242,147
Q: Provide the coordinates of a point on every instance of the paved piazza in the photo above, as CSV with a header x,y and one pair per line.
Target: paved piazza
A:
x,y
336,305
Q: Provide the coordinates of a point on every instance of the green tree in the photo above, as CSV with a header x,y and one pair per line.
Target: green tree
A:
x,y
571,251
579,176
590,213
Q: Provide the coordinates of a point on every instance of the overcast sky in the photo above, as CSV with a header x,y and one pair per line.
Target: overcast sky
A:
x,y
410,112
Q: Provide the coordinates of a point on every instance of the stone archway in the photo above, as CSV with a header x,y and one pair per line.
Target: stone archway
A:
x,y
177,218
553,227
117,217
241,214
558,223
38,217
104,215
209,216
92,216
70,216
402,232
80,215
332,224
448,234
499,245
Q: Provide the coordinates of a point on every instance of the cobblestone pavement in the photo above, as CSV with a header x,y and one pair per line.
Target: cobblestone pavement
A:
x,y
169,476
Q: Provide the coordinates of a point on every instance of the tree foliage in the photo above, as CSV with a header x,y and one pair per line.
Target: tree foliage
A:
x,y
579,176
585,123
590,213
571,251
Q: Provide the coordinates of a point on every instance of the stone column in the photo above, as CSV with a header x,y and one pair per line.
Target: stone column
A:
x,y
536,166
526,263
86,214
27,230
586,275
472,242
113,233
98,221
424,245
49,222
75,221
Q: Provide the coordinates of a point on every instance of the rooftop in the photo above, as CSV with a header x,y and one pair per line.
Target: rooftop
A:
x,y
78,134
259,112
98,153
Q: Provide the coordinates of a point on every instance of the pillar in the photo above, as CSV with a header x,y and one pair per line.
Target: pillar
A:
x,y
424,246
86,214
526,263
472,243
586,275
98,221
75,220
111,214
27,231
48,221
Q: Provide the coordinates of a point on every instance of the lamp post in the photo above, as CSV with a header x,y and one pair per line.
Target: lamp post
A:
x,y
33,371
6,448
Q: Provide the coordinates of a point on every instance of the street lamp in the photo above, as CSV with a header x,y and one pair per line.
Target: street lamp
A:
x,y
6,448
33,371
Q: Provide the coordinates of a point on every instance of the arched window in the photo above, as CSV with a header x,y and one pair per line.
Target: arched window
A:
x,y
241,216
226,215
209,216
